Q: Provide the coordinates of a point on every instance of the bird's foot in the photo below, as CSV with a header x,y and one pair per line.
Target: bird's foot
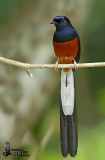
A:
x,y
56,65
75,65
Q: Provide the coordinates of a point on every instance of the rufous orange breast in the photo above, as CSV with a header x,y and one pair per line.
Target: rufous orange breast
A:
x,y
66,52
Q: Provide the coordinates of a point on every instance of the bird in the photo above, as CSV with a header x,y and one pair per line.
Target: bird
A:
x,y
7,149
66,44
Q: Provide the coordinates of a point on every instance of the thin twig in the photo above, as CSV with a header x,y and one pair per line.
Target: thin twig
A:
x,y
28,66
29,73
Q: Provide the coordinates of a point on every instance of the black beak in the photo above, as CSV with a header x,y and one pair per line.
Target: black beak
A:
x,y
53,22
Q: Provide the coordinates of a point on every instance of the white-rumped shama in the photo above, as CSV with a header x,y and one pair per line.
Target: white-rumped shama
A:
x,y
66,45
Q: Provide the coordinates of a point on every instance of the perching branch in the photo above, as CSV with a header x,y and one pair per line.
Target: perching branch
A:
x,y
28,66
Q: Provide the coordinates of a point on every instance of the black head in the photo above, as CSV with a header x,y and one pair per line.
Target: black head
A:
x,y
61,22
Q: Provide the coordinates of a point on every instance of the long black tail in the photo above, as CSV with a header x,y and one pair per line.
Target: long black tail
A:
x,y
68,131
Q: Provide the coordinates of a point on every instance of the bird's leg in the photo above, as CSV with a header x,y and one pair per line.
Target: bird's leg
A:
x,y
75,64
56,65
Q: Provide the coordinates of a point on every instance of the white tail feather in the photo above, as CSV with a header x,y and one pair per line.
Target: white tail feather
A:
x,y
67,92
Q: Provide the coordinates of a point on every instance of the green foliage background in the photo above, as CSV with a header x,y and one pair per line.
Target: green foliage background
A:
x,y
29,108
